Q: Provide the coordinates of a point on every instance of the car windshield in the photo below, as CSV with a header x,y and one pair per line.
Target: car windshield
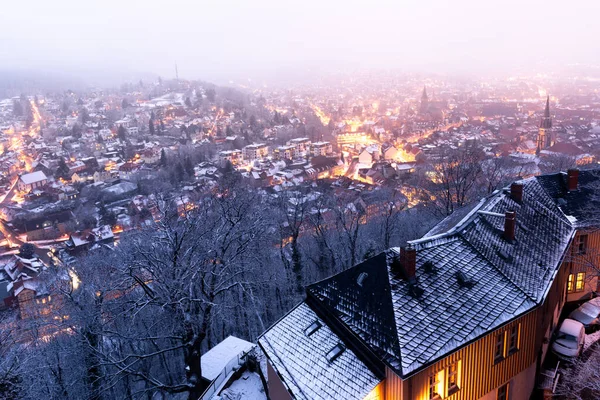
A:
x,y
567,337
582,317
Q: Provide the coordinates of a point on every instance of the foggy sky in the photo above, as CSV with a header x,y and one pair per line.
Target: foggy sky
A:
x,y
224,39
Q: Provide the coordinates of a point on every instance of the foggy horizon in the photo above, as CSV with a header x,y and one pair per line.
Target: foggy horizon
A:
x,y
267,39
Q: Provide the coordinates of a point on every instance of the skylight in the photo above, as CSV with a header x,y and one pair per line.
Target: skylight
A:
x,y
335,352
361,278
312,328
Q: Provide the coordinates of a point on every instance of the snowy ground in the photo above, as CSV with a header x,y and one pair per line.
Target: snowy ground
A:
x,y
249,387
591,339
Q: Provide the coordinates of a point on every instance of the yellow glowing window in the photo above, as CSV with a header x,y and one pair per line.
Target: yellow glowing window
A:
x,y
435,387
452,378
576,283
570,284
580,282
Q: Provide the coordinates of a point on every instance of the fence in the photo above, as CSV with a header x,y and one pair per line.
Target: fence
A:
x,y
231,366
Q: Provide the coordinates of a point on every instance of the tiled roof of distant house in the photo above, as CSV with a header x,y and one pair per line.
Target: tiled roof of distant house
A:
x,y
582,204
565,148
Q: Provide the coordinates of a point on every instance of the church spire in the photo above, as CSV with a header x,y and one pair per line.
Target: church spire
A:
x,y
546,122
545,137
424,102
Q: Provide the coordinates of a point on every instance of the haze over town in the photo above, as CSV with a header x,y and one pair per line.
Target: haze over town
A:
x,y
268,39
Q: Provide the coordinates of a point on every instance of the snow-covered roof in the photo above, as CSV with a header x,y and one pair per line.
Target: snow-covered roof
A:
x,y
214,360
301,358
33,177
409,324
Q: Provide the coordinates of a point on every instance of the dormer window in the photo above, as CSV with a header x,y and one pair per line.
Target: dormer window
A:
x,y
335,352
312,328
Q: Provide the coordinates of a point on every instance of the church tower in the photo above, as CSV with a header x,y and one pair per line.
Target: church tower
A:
x,y
545,138
424,102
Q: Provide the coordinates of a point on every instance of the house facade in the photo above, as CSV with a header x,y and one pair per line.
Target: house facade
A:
x,y
466,312
31,181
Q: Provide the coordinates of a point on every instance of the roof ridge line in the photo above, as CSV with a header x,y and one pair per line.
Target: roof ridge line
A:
x,y
459,225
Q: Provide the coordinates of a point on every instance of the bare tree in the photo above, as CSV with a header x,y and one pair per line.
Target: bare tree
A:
x,y
582,380
452,181
293,208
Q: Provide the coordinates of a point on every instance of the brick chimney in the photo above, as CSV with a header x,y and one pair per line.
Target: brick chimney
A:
x,y
572,179
408,260
516,192
510,222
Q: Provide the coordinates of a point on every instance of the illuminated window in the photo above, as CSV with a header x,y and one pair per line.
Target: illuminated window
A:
x,y
576,282
513,339
580,282
499,353
434,386
582,244
570,284
445,382
452,378
503,392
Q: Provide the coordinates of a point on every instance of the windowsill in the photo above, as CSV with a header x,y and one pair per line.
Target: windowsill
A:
x,y
511,352
453,390
499,360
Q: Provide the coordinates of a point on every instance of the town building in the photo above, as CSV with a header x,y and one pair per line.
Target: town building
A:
x,y
33,180
467,311
321,149
232,156
255,152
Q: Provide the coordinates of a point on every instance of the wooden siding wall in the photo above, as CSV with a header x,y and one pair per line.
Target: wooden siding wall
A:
x,y
478,373
394,386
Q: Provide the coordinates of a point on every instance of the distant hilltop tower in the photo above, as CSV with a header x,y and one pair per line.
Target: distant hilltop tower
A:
x,y
424,102
545,138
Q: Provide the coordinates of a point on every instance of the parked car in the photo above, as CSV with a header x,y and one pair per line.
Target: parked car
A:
x,y
588,314
569,340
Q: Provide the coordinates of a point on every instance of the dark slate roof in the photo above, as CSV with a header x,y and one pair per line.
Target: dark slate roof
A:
x,y
409,332
447,316
581,206
542,235
367,309
509,280
302,364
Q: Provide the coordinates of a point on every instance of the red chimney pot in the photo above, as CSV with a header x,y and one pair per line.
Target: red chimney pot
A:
x,y
516,192
408,260
572,179
510,221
